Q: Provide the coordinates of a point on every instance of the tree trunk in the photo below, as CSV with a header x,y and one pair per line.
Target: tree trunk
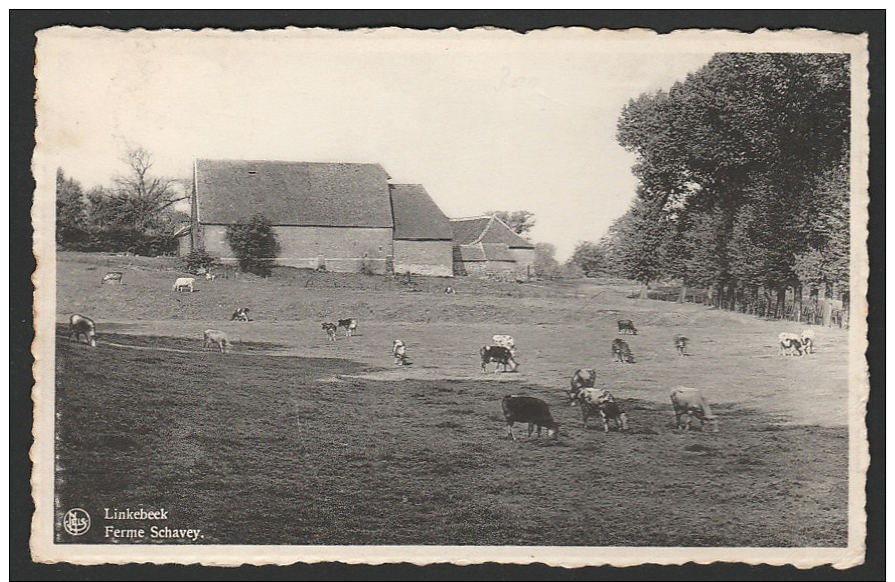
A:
x,y
644,290
797,302
827,305
682,298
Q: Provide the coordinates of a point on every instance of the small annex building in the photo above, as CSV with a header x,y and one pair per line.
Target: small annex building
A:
x,y
485,245
343,217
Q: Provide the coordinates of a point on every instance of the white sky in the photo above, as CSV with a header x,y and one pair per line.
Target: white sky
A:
x,y
485,120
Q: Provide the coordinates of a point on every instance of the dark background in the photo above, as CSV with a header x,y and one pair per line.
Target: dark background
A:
x,y
24,23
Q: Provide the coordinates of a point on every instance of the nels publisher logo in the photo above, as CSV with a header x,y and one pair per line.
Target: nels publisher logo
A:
x,y
76,521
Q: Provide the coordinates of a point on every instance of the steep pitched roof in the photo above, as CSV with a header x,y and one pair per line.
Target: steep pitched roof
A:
x,y
485,252
293,193
486,229
417,217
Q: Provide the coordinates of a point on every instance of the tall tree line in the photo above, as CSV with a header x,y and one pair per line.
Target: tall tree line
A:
x,y
743,178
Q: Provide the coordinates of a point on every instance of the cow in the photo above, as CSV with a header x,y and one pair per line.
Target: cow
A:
x,y
505,341
399,351
581,379
241,314
622,351
691,402
680,344
807,339
216,336
528,409
627,326
78,326
349,324
449,290
600,402
789,343
330,329
112,277
184,283
499,355
209,276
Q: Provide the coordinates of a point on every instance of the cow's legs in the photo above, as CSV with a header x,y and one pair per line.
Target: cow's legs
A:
x,y
605,421
510,432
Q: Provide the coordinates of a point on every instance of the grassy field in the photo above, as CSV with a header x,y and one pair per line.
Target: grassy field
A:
x,y
291,439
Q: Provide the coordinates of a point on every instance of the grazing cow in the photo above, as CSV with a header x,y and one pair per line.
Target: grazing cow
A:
x,y
449,290
349,324
499,355
505,341
112,277
78,326
807,339
241,314
691,402
789,343
680,343
622,351
581,379
330,329
184,283
216,336
534,411
399,351
600,402
627,326
209,276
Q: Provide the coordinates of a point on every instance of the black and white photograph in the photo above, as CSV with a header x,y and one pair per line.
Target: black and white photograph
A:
x,y
575,297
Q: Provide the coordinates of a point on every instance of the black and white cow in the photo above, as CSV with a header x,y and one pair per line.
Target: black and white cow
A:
x,y
528,409
349,324
399,351
807,339
78,326
790,344
499,355
680,344
330,329
584,378
241,314
622,351
600,402
627,326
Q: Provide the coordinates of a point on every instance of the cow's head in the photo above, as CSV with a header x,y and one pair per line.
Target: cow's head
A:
x,y
711,422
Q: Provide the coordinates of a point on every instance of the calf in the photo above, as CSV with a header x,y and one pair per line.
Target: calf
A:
x,y
581,379
599,402
499,355
807,339
622,351
505,341
112,277
241,314
399,351
350,326
78,326
680,344
330,329
209,276
184,283
789,343
449,290
534,411
216,336
627,326
691,402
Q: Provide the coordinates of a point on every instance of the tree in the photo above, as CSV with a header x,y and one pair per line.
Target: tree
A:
x,y
254,243
521,221
545,263
592,258
71,212
144,198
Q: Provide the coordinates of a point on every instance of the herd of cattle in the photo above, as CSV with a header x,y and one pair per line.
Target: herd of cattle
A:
x,y
687,403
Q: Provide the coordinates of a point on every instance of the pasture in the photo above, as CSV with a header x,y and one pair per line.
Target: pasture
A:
x,y
293,439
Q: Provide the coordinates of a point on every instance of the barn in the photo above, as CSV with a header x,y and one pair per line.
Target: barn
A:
x,y
334,216
423,235
485,245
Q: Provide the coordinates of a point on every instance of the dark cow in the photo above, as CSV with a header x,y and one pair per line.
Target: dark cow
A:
x,y
349,324
581,379
528,409
241,314
680,344
78,326
499,355
622,351
330,329
627,326
599,402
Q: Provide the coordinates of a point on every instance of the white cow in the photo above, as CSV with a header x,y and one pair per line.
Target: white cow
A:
x,y
807,339
216,336
691,402
184,283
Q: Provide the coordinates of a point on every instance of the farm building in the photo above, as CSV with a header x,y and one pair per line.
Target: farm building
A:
x,y
485,245
338,216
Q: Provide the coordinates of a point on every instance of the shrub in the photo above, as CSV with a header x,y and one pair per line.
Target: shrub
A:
x,y
197,260
255,245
